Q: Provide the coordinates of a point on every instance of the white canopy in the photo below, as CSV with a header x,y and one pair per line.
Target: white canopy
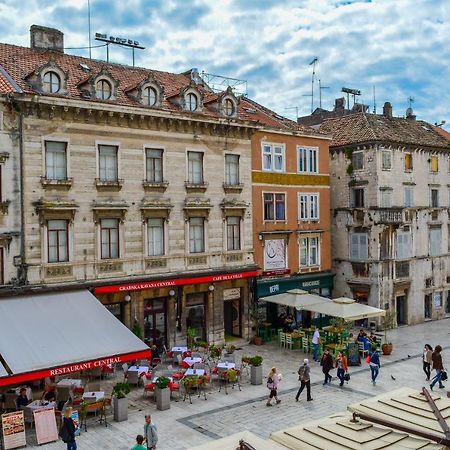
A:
x,y
296,298
50,330
3,372
345,308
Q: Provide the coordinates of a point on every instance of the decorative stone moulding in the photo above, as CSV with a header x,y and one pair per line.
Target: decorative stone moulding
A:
x,y
65,184
103,185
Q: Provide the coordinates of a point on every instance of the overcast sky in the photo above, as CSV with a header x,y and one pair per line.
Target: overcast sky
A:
x,y
402,47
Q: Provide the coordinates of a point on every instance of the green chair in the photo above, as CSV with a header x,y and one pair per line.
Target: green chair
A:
x,y
263,334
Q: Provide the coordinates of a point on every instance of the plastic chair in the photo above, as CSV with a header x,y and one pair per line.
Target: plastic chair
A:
x,y
125,370
305,344
288,342
150,387
362,350
133,378
282,339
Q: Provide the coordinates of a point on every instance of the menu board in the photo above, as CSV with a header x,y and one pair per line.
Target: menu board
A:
x,y
353,355
13,425
45,424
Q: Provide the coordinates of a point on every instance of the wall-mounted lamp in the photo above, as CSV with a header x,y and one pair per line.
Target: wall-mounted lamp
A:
x,y
172,293
260,237
127,298
211,288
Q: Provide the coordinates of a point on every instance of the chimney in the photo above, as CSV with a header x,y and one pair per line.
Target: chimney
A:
x,y
339,104
46,38
359,107
410,114
387,110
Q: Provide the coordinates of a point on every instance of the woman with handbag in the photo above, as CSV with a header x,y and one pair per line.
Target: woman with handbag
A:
x,y
272,385
426,360
438,366
342,368
67,431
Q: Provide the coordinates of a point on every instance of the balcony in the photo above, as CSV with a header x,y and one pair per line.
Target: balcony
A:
x,y
192,187
64,184
233,188
155,186
107,185
360,270
388,215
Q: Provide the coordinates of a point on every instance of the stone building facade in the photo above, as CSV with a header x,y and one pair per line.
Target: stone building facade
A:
x,y
390,194
131,182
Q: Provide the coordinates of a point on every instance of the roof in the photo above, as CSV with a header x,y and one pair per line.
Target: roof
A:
x,y
360,128
444,133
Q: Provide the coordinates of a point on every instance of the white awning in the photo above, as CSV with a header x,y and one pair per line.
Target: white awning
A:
x,y
3,372
346,308
296,298
61,330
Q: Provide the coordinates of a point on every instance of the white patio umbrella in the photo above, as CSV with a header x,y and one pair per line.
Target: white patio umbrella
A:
x,y
296,298
345,308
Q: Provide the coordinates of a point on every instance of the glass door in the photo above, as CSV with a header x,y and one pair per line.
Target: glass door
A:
x,y
195,314
155,322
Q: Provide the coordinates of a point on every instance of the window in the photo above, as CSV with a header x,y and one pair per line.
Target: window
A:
x,y
434,198
58,248
109,238
435,241
195,167
403,245
103,90
386,160
155,237
434,164
149,96
232,169
309,251
228,107
233,233
2,265
308,159
51,82
359,246
273,157
55,160
409,197
154,165
196,234
408,162
357,197
385,198
308,206
358,160
191,102
274,206
108,169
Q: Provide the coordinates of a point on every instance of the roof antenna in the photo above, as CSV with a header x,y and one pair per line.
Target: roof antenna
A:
x,y
89,28
374,101
410,101
313,63
320,93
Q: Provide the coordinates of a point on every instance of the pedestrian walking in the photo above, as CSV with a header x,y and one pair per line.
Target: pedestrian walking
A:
x,y
150,433
438,366
67,430
139,443
342,367
426,359
305,381
316,344
374,364
272,385
327,364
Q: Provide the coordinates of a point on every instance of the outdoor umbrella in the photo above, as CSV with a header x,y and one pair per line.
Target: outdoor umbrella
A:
x,y
345,308
296,298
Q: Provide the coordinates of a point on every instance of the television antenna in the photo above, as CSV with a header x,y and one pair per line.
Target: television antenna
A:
x,y
349,92
123,42
410,101
320,93
313,64
296,110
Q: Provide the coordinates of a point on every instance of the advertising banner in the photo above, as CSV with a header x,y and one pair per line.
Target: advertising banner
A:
x,y
13,425
274,254
45,424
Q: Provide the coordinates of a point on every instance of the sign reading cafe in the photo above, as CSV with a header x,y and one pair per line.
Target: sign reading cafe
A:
x,y
274,254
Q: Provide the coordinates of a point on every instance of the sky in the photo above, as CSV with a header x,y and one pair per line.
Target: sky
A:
x,y
398,48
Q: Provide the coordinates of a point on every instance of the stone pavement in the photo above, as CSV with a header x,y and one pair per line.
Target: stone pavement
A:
x,y
186,425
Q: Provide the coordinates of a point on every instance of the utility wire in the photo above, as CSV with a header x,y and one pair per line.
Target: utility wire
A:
x,y
83,48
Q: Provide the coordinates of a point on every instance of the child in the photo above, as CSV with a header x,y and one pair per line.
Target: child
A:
x,y
139,441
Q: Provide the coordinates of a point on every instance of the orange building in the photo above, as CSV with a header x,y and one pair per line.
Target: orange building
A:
x,y
290,204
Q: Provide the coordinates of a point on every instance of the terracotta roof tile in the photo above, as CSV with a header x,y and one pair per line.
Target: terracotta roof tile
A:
x,y
362,128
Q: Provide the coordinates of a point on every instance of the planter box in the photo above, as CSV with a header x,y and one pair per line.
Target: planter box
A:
x,y
162,398
120,409
256,375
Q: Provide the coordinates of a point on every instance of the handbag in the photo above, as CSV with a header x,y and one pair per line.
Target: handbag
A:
x,y
444,375
347,376
64,434
368,359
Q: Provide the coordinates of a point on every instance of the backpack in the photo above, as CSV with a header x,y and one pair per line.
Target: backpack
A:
x,y
270,384
301,372
64,434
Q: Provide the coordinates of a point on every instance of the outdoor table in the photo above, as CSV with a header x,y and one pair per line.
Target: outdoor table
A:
x,y
69,382
226,365
139,369
193,372
93,396
192,361
39,404
179,349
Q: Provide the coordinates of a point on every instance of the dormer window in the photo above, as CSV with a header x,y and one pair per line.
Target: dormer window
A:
x,y
149,96
103,90
191,102
51,82
228,107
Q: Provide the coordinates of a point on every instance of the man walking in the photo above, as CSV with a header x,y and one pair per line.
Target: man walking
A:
x,y
304,378
438,366
316,343
150,434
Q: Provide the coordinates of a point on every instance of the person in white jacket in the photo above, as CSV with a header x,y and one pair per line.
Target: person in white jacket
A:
x,y
272,385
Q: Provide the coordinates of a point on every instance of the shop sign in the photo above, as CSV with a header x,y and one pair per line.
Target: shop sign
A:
x,y
312,283
13,427
274,254
231,294
271,273
174,282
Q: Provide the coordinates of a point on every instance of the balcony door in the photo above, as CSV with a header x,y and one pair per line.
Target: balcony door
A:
x,y
155,332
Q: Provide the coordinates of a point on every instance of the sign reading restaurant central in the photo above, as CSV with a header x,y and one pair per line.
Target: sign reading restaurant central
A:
x,y
174,282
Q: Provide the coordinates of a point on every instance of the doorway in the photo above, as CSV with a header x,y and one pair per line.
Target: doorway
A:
x,y
232,317
427,306
155,322
401,310
196,313
447,303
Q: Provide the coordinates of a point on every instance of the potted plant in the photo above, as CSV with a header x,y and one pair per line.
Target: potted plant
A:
x,y
191,334
162,393
215,352
229,349
256,369
120,401
258,316
389,322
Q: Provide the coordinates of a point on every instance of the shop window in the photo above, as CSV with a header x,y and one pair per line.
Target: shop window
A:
x,y
57,241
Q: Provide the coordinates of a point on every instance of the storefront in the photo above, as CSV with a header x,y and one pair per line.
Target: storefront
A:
x,y
162,311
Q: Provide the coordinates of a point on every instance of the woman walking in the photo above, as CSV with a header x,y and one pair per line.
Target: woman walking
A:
x,y
426,359
272,385
327,364
342,368
374,363
67,431
438,366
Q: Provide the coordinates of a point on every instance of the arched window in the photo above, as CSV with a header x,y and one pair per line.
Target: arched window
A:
x,y
149,96
51,82
191,102
228,107
103,90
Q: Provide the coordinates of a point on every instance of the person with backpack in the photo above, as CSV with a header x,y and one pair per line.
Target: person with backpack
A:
x,y
327,364
374,364
342,367
305,381
67,430
272,385
438,366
